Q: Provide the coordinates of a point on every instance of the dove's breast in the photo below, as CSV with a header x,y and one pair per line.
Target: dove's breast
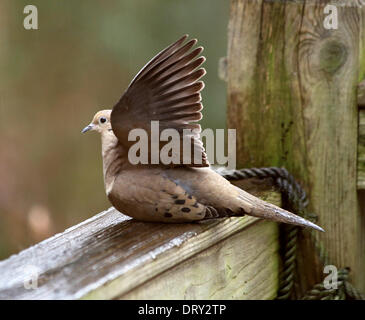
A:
x,y
114,158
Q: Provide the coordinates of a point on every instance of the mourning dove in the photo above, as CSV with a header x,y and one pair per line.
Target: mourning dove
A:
x,y
167,89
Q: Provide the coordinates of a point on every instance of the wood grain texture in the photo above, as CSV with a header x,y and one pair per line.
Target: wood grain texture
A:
x,y
361,94
361,152
292,97
361,101
244,266
110,255
361,140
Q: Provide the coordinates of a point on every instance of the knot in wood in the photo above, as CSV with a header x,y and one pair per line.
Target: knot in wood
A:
x,y
332,56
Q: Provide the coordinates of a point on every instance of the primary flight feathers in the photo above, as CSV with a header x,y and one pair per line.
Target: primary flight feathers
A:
x,y
165,90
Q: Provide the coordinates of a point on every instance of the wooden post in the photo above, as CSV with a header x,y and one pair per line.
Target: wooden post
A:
x,y
292,98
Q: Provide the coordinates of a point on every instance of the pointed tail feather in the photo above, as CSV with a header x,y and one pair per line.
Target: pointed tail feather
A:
x,y
258,208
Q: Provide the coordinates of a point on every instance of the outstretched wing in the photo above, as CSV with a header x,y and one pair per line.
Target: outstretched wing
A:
x,y
167,89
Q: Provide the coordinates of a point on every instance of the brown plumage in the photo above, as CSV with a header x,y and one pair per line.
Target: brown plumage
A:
x,y
167,90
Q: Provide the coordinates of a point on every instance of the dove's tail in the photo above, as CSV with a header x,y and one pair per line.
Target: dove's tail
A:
x,y
258,208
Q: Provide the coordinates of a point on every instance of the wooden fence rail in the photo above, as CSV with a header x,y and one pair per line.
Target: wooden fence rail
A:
x,y
111,256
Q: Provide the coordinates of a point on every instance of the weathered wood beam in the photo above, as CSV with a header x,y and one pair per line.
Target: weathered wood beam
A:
x,y
361,152
110,256
222,73
361,94
292,98
226,270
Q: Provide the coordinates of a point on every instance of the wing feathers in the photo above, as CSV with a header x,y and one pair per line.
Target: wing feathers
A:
x,y
180,93
194,98
167,90
186,108
164,53
168,62
185,117
175,72
186,80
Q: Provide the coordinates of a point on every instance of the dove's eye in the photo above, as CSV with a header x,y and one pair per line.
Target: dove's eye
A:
x,y
102,120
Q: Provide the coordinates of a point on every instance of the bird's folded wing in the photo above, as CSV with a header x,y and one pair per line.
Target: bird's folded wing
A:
x,y
166,90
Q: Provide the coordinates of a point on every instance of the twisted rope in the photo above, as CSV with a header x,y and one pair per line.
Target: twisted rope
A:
x,y
342,290
295,199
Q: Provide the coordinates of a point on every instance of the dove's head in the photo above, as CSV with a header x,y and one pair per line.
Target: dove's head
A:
x,y
100,122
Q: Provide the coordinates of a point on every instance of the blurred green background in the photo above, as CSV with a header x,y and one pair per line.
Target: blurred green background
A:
x,y
53,80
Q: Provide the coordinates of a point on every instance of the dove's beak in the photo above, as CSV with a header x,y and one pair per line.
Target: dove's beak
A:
x,y
87,128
